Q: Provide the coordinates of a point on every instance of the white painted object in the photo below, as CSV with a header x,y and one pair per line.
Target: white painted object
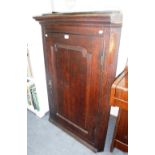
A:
x,y
34,40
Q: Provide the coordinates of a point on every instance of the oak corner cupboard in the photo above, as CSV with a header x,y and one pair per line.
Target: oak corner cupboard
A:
x,y
80,52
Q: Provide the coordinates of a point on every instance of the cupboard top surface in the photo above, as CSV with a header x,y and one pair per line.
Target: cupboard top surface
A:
x,y
114,17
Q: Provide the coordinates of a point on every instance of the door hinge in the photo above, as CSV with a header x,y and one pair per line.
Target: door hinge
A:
x,y
102,58
50,83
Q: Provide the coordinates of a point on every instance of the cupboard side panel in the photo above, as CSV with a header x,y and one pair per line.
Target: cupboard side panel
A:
x,y
108,72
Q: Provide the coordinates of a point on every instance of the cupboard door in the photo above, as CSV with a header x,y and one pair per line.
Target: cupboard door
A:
x,y
74,75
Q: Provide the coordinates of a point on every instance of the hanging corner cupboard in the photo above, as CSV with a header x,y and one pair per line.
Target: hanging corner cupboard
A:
x,y
80,52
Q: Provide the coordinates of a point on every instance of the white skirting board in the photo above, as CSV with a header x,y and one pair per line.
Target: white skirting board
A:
x,y
114,111
40,109
40,114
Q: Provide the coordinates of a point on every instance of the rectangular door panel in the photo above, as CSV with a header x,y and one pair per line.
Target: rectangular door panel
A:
x,y
71,72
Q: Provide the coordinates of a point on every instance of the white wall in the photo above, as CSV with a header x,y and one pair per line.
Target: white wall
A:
x,y
34,40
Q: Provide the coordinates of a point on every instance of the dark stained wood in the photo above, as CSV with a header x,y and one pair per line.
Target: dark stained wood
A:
x,y
80,52
119,91
119,97
109,17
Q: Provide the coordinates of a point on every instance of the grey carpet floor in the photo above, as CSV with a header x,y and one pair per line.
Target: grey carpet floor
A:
x,y
44,138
